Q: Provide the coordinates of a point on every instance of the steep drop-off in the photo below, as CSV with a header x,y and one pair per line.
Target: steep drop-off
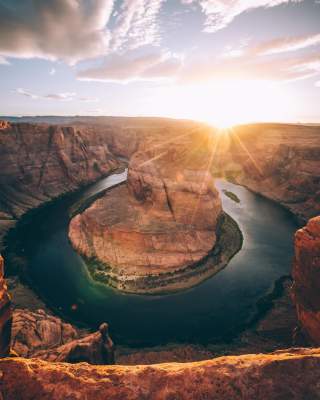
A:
x,y
41,162
306,275
281,162
5,314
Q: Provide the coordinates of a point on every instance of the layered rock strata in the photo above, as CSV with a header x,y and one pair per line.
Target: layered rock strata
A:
x,y
36,331
158,225
5,314
291,374
41,162
281,162
306,275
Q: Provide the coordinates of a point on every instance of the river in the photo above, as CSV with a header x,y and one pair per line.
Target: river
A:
x,y
217,309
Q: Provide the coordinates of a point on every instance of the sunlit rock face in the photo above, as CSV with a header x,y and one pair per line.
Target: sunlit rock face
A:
x,y
164,219
36,331
291,374
41,162
306,275
5,314
282,162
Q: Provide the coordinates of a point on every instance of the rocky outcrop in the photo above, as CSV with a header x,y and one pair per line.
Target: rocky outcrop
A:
x,y
163,221
5,314
41,162
96,348
281,162
306,275
38,334
291,374
36,331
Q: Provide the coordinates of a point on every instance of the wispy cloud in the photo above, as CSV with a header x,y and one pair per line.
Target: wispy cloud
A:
x,y
136,24
287,44
4,61
135,66
259,68
88,99
220,13
67,96
52,71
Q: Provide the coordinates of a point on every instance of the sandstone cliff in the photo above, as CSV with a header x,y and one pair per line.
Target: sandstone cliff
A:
x,y
36,331
5,314
306,275
41,162
291,374
281,162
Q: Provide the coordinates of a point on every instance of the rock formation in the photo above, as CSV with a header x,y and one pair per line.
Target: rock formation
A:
x,y
162,222
291,374
306,275
41,162
281,162
96,348
5,314
36,331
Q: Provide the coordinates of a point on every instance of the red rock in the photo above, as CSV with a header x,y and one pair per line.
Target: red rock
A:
x,y
279,161
36,331
5,314
41,162
290,374
161,222
306,275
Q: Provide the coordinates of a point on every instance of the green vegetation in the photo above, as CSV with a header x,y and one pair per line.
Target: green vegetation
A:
x,y
231,195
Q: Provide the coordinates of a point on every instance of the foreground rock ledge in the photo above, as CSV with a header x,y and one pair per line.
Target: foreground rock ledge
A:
x,y
291,374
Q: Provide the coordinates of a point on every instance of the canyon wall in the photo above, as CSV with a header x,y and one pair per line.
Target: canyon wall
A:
x,y
281,162
41,162
291,374
306,275
5,314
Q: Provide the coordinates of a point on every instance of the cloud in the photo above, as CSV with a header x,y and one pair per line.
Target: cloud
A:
x,y
88,99
3,61
136,24
50,96
52,71
134,66
63,29
272,47
220,13
75,30
283,45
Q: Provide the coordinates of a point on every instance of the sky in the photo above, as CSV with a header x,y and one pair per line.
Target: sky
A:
x,y
218,61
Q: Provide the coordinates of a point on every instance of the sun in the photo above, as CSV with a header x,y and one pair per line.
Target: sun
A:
x,y
226,103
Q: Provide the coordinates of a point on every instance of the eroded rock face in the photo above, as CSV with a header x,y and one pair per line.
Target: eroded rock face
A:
x,y
306,275
162,221
41,162
5,314
291,374
36,331
282,162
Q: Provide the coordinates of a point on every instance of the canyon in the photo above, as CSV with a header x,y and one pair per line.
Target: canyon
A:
x,y
150,234
41,162
279,161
